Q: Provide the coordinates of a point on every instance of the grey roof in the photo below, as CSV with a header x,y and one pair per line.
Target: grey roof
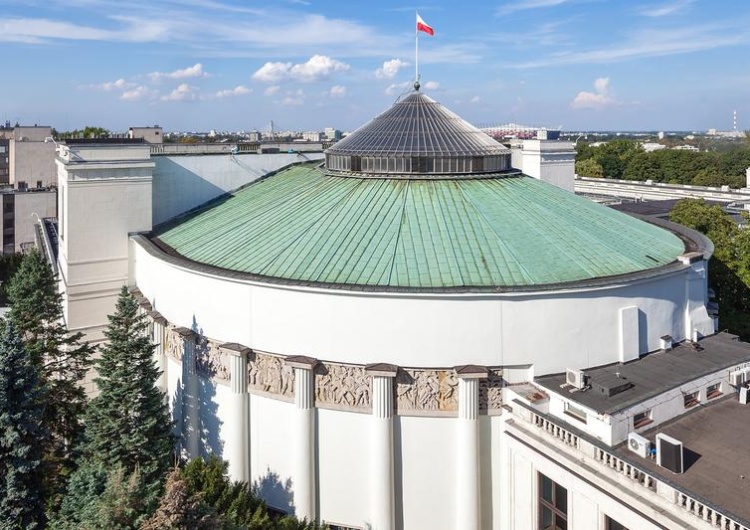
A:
x,y
653,374
717,462
418,126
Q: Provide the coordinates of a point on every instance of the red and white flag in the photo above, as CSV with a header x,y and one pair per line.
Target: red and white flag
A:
x,y
422,26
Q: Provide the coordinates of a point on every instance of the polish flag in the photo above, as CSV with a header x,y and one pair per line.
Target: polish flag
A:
x,y
422,26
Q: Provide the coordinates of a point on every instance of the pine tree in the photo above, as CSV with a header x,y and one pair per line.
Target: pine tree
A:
x,y
36,311
181,510
128,423
21,431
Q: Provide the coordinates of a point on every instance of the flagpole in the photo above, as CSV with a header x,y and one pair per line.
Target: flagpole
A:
x,y
416,53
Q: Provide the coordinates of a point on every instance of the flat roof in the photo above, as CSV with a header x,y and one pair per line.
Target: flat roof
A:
x,y
717,460
652,374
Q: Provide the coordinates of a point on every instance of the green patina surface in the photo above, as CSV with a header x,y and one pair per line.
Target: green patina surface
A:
x,y
514,231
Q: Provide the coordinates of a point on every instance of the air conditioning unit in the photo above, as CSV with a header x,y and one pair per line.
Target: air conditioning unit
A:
x,y
738,377
575,378
744,395
670,453
639,445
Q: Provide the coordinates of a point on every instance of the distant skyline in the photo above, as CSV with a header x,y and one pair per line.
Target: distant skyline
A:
x,y
306,65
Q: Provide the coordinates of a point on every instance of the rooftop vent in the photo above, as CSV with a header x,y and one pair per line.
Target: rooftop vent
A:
x,y
609,385
666,342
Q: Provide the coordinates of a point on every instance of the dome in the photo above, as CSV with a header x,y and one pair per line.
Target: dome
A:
x,y
418,137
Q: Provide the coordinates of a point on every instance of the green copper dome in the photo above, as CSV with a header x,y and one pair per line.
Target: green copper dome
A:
x,y
304,226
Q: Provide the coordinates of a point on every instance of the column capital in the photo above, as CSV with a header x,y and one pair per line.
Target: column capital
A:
x,y
302,362
472,371
234,349
381,369
186,333
158,318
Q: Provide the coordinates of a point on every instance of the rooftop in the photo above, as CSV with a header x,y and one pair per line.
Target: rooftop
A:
x,y
512,232
653,374
717,459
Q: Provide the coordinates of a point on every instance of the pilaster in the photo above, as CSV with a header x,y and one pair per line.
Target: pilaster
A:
x,y
236,429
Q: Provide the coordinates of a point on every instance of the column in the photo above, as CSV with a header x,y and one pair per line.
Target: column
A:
x,y
468,500
160,355
383,505
304,480
236,428
191,410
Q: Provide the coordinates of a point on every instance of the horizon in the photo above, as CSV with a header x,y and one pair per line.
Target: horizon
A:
x,y
581,65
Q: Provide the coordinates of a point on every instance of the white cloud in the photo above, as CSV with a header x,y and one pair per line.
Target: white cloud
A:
x,y
136,94
294,99
599,99
270,91
239,90
316,68
398,88
390,69
431,85
185,73
474,100
522,5
109,86
665,9
338,91
184,92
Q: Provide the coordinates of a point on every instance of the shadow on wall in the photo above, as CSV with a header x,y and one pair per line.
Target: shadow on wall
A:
x,y
209,421
176,408
277,494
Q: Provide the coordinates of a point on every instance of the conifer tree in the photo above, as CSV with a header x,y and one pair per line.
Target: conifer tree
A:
x,y
181,510
128,423
36,311
21,434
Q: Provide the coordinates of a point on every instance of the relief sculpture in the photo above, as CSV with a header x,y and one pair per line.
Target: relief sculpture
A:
x,y
269,373
430,390
491,391
342,385
209,360
174,343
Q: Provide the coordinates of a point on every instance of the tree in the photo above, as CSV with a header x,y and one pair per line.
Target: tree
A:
x,y
181,510
128,423
21,431
589,168
63,362
729,269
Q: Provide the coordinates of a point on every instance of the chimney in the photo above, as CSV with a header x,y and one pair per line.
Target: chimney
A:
x,y
666,342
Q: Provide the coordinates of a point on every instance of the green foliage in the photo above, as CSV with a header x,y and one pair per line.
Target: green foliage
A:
x,y
80,503
9,263
181,510
625,159
36,311
21,431
589,168
87,132
128,423
729,268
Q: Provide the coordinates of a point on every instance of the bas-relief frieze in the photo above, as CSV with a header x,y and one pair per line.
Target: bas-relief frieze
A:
x,y
342,385
210,362
269,373
339,385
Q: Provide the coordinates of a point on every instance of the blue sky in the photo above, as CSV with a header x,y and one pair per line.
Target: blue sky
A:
x,y
306,65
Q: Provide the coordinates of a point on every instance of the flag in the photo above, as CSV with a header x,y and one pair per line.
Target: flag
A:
x,y
422,26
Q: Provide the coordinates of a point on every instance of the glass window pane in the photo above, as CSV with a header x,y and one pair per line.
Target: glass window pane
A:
x,y
546,484
547,518
561,498
561,523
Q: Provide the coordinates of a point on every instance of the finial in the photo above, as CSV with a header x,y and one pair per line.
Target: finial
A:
x,y
416,85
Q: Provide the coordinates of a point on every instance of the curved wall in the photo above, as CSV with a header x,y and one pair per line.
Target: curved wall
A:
x,y
553,330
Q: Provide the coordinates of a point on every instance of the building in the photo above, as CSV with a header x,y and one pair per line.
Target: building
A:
x,y
377,341
31,157
21,211
150,135
332,134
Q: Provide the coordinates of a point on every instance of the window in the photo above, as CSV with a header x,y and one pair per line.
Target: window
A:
x,y
575,412
553,505
641,419
713,391
691,399
611,524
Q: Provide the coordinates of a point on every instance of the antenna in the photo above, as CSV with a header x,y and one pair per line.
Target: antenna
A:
x,y
734,120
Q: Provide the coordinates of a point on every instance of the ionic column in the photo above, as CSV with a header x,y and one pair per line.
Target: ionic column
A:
x,y
160,355
303,481
468,514
191,409
237,427
383,506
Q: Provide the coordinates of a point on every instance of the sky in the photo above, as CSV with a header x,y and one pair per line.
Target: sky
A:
x,y
197,65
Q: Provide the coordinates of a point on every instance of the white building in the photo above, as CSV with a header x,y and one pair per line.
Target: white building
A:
x,y
374,341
